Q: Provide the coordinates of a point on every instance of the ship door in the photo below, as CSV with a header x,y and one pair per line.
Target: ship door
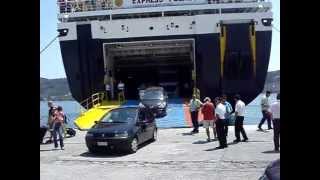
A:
x,y
238,54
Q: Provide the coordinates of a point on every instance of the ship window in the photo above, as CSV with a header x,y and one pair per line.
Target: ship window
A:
x,y
137,15
151,27
239,10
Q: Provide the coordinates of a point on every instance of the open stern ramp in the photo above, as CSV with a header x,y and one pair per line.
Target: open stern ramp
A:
x,y
87,119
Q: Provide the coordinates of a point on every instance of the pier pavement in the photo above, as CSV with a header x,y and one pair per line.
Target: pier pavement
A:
x,y
175,155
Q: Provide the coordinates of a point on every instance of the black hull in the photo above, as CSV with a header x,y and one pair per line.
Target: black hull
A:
x,y
84,64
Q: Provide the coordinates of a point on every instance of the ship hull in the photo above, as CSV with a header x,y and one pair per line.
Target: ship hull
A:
x,y
84,65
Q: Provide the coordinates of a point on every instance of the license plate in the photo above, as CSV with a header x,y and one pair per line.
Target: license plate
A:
x,y
102,143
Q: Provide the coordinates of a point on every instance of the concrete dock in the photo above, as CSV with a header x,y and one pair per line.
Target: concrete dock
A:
x,y
175,155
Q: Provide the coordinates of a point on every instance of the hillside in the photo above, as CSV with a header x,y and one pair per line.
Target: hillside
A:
x,y
273,81
55,89
58,89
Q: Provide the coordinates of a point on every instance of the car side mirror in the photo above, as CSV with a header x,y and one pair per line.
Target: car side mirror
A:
x,y
96,122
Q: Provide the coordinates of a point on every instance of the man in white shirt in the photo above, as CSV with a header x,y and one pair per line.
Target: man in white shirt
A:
x,y
275,110
220,123
265,108
239,113
108,92
121,91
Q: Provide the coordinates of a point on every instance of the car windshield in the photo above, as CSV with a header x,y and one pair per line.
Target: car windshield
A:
x,y
154,94
120,116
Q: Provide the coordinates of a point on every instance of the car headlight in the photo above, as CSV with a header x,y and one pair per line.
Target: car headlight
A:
x,y
162,105
89,134
121,134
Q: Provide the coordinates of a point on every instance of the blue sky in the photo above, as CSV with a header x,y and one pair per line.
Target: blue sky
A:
x,y
51,65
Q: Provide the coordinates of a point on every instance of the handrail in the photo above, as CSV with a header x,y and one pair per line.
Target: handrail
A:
x,y
70,6
94,100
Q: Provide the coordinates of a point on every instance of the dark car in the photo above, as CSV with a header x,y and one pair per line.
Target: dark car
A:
x,y
156,99
272,172
123,129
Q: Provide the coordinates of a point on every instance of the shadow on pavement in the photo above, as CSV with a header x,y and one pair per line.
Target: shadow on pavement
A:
x,y
265,131
204,142
43,150
104,154
271,152
187,134
212,149
255,141
108,153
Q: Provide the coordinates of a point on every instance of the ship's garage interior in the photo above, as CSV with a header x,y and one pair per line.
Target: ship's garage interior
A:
x,y
139,64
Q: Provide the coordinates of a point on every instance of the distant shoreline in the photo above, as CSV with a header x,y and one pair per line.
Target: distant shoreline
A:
x,y
58,89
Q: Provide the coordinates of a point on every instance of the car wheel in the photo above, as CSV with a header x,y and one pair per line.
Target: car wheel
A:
x,y
133,145
155,135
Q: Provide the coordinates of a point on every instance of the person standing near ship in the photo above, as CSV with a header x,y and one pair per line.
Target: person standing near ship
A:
x,y
275,110
265,108
239,114
229,110
208,117
58,116
121,91
195,105
108,92
107,81
50,120
220,123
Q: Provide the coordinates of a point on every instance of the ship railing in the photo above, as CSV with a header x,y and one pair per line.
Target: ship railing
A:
x,y
94,100
70,6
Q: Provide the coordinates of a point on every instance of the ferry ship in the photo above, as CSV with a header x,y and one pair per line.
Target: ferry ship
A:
x,y
217,46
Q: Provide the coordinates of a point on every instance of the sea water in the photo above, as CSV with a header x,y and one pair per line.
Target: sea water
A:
x,y
72,109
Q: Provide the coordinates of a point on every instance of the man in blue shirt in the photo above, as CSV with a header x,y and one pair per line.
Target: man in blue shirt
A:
x,y
228,112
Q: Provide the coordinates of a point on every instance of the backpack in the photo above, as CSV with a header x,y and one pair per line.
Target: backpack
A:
x,y
71,132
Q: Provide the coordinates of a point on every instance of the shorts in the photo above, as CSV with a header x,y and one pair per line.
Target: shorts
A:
x,y
207,123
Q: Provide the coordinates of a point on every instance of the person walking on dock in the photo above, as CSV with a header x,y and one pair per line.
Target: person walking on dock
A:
x,y
265,108
57,127
208,117
220,123
229,110
195,105
275,110
239,114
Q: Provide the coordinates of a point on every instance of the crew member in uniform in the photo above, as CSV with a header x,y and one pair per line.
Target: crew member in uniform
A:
x,y
121,91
